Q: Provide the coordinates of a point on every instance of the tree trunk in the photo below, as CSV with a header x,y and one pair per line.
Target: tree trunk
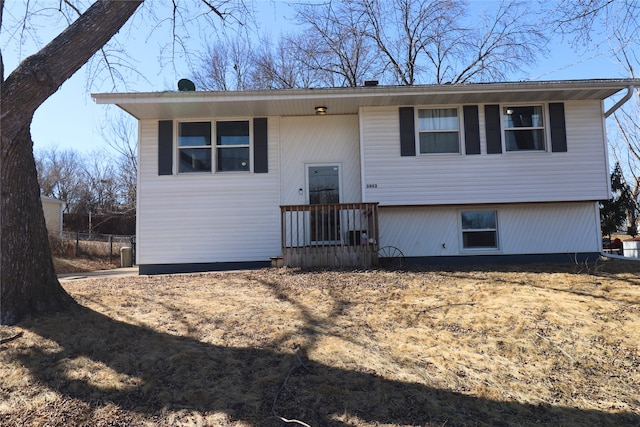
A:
x,y
28,283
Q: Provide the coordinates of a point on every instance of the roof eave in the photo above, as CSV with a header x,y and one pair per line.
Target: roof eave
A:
x,y
349,100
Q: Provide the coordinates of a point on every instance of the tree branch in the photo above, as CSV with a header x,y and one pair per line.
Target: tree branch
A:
x,y
214,9
40,75
1,62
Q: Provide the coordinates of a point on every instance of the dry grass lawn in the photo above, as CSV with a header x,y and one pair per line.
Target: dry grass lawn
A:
x,y
490,346
64,265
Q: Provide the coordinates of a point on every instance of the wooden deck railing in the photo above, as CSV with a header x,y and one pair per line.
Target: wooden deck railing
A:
x,y
335,235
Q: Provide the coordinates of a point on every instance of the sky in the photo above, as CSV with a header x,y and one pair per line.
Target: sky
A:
x,y
70,119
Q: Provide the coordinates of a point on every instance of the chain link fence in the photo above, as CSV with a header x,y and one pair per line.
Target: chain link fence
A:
x,y
91,245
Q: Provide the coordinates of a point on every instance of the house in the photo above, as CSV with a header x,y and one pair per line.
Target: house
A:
x,y
439,173
53,209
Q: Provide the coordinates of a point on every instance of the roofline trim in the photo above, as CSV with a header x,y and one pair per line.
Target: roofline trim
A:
x,y
361,91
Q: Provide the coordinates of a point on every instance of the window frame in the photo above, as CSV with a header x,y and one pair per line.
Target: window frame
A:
x,y
459,130
462,231
218,147
545,128
179,148
214,147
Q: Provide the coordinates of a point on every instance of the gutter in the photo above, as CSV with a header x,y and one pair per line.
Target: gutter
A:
x,y
619,104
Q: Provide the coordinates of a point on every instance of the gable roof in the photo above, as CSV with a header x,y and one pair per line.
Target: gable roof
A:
x,y
302,102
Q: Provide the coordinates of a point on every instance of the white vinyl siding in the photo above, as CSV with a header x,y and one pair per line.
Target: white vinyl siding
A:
x,y
319,140
536,228
578,174
203,218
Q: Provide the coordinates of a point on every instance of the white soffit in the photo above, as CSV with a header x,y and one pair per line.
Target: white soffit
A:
x,y
302,102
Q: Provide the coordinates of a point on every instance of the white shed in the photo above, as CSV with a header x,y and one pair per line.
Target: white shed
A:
x,y
53,209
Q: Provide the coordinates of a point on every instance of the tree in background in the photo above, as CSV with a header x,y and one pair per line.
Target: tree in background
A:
x,y
343,43
119,131
100,184
228,64
60,174
29,285
615,25
335,45
613,212
432,41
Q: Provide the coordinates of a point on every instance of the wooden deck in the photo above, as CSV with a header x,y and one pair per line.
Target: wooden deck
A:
x,y
335,235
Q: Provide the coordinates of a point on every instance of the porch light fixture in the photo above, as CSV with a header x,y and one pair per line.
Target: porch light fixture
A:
x,y
321,111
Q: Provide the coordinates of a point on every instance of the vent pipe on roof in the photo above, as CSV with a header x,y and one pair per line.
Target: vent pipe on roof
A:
x,y
618,104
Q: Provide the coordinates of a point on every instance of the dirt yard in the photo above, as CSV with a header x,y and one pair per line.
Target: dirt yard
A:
x,y
502,346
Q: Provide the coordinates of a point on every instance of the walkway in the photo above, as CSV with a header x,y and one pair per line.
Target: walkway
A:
x,y
116,272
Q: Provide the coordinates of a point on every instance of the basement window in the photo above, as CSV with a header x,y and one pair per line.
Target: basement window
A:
x,y
479,229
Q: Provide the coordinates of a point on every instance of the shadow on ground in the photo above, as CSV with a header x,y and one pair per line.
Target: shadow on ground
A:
x,y
159,372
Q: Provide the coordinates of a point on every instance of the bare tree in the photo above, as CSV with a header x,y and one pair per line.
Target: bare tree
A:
x,y
60,174
580,20
421,41
279,67
406,42
507,41
228,64
101,192
615,24
335,44
27,277
119,132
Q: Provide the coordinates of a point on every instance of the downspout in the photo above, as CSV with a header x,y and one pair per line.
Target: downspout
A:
x,y
619,104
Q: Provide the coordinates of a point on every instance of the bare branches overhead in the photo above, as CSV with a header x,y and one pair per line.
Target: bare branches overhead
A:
x,y
407,42
615,26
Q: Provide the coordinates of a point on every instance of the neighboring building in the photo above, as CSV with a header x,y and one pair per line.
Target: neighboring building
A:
x,y
445,173
53,209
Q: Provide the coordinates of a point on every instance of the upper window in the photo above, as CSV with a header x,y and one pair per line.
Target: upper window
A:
x,y
232,146
194,147
523,128
439,130
479,230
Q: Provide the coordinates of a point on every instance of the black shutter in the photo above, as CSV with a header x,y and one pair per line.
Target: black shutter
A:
x,y
558,128
165,147
407,132
492,127
260,147
471,129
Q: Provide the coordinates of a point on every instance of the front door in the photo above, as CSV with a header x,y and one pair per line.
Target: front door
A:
x,y
324,189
